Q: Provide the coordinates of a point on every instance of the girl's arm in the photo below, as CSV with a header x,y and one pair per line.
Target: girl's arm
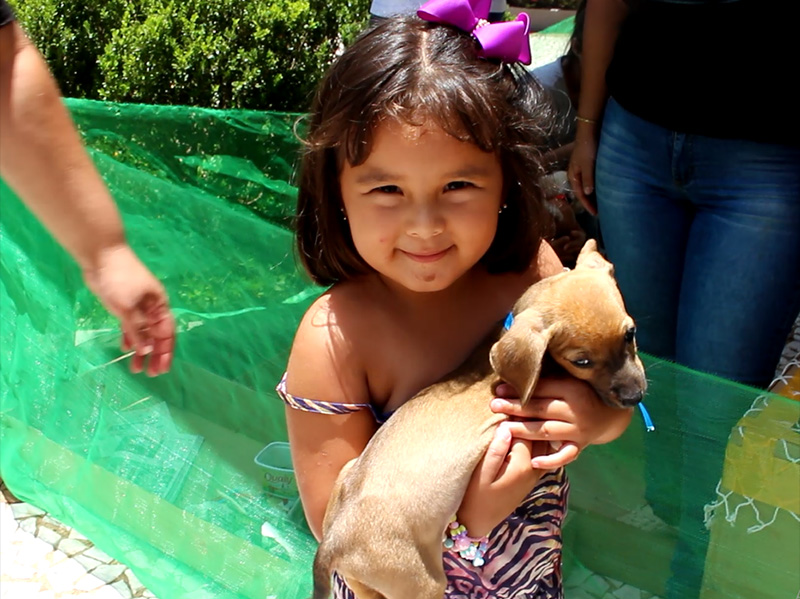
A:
x,y
600,30
502,479
505,475
322,366
321,445
567,410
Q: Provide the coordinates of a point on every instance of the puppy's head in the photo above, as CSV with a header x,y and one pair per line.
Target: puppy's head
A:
x,y
580,318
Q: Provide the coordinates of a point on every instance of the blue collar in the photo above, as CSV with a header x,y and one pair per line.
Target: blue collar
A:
x,y
508,321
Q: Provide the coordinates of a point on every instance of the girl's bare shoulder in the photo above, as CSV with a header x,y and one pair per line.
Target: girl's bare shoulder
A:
x,y
326,360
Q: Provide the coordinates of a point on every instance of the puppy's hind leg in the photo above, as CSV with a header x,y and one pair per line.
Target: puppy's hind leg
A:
x,y
322,572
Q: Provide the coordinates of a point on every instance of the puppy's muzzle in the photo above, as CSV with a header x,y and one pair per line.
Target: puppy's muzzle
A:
x,y
625,395
629,398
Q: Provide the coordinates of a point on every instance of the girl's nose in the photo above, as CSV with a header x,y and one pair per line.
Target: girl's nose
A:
x,y
425,222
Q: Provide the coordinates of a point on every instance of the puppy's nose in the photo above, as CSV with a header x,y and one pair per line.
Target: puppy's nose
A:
x,y
630,398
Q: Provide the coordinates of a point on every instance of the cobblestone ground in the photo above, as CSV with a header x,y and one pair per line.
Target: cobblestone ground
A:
x,y
40,558
585,584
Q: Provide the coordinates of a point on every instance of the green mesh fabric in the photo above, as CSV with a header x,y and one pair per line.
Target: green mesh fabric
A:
x,y
161,473
564,26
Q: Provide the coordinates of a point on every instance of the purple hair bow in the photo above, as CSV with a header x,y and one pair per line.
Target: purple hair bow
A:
x,y
507,41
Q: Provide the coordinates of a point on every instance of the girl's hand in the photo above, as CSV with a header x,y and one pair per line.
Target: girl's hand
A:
x,y
565,411
503,478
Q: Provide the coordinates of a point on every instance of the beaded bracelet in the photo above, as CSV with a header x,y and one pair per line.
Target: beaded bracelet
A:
x,y
456,539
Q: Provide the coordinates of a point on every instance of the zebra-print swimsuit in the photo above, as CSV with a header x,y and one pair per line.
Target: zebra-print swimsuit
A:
x,y
523,560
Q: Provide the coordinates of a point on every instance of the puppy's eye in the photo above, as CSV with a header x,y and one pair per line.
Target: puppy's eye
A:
x,y
582,363
630,335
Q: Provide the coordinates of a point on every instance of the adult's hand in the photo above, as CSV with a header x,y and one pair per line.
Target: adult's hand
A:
x,y
129,291
581,165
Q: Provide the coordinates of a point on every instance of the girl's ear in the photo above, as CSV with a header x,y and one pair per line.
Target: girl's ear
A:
x,y
517,356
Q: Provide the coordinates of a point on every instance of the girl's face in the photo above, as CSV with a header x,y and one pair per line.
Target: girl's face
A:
x,y
423,207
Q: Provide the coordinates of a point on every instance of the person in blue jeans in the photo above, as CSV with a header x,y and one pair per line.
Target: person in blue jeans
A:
x,y
685,151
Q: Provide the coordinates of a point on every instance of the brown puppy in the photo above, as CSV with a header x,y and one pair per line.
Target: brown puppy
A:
x,y
389,508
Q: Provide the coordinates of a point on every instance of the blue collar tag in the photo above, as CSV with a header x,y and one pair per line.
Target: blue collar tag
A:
x,y
509,321
648,422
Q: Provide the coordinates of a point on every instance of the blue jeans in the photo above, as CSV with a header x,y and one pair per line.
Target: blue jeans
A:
x,y
705,237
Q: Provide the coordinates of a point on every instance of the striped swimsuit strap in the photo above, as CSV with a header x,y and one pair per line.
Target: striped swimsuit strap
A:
x,y
316,405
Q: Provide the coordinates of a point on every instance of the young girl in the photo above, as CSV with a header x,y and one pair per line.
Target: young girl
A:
x,y
418,203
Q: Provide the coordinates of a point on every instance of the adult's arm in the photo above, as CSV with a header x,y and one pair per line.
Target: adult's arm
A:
x,y
43,160
600,31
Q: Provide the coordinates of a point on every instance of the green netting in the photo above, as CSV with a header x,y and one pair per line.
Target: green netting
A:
x,y
564,26
161,473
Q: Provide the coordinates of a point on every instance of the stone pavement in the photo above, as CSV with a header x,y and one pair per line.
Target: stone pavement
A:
x,y
40,558
585,584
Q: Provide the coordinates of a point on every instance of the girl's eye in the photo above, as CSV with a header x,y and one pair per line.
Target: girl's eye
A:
x,y
387,189
456,185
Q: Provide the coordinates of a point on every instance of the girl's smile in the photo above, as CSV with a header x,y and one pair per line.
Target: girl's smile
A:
x,y
426,257
423,207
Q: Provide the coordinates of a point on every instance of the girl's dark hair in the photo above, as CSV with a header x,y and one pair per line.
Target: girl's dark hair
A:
x,y
409,70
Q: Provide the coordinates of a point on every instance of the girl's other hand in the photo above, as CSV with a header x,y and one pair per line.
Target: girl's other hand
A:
x,y
503,478
565,411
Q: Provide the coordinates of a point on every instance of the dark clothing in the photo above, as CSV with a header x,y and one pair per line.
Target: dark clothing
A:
x,y
6,14
714,68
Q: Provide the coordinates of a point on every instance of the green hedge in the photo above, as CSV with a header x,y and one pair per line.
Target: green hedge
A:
x,y
260,54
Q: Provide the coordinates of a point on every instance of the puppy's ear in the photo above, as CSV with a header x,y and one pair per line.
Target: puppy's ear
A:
x,y
591,258
517,356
